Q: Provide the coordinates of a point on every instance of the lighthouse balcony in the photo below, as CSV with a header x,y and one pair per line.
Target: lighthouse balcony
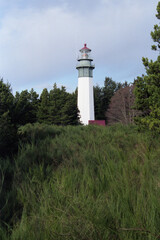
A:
x,y
83,59
85,65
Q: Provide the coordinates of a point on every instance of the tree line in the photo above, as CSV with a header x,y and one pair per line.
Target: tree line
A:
x,y
56,106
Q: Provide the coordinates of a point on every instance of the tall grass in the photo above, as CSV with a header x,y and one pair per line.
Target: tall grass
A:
x,y
88,183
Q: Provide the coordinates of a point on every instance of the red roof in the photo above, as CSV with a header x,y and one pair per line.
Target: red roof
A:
x,y
85,48
97,122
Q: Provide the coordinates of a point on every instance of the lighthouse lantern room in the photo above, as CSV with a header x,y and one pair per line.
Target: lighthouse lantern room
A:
x,y
85,86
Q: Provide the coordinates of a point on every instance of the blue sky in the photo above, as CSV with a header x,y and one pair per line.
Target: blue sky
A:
x,y
40,40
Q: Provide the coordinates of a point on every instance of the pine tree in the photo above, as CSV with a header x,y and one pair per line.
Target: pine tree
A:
x,y
156,33
102,97
6,98
34,100
8,135
8,131
70,112
147,89
98,103
26,104
58,98
44,106
58,107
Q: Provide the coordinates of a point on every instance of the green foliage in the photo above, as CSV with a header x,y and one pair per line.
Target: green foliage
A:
x,y
58,107
58,99
6,98
102,97
87,182
70,112
3,234
43,109
147,94
26,104
8,147
8,200
98,103
8,135
147,89
37,132
156,33
54,107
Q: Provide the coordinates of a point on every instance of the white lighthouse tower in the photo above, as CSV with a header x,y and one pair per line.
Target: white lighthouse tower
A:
x,y
85,86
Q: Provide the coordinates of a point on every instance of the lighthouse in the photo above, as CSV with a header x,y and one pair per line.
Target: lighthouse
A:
x,y
85,86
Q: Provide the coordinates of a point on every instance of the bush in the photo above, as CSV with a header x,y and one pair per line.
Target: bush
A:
x,y
104,184
8,136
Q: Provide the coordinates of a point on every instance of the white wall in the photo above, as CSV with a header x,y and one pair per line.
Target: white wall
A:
x,y
85,99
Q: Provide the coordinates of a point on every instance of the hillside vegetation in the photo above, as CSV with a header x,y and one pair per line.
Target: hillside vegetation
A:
x,y
82,183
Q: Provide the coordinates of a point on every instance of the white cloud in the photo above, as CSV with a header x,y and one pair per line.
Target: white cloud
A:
x,y
38,45
33,43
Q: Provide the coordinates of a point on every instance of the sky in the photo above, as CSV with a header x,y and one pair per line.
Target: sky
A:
x,y
40,40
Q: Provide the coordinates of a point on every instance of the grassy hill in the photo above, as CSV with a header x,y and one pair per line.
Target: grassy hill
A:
x,y
83,183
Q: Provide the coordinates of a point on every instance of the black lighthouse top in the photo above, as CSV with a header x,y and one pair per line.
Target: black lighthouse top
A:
x,y
85,66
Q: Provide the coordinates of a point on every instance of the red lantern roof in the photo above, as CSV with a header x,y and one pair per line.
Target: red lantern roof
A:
x,y
85,48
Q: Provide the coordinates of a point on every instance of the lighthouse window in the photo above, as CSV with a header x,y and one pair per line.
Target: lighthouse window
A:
x,y
90,72
80,72
86,72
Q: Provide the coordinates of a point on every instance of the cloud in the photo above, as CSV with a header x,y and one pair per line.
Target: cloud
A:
x,y
39,45
34,43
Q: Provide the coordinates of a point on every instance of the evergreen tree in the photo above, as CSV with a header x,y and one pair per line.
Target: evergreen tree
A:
x,y
6,98
26,104
147,89
34,100
102,97
156,33
110,87
70,112
58,99
43,109
8,135
58,107
98,103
